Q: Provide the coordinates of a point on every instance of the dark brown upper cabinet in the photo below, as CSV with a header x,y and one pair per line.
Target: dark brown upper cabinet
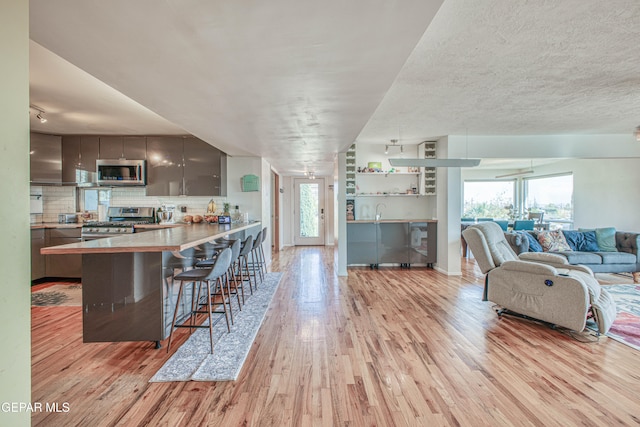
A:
x,y
123,147
184,166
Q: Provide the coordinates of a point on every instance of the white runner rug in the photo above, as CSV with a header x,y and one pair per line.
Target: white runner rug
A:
x,y
193,360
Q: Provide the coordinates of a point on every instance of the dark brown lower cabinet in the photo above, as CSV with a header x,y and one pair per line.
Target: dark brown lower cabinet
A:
x,y
69,266
37,259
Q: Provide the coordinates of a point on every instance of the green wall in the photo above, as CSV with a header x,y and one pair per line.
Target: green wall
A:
x,y
15,312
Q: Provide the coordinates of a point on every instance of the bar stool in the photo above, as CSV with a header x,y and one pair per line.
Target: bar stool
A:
x,y
235,254
263,260
243,263
200,275
206,250
255,258
172,261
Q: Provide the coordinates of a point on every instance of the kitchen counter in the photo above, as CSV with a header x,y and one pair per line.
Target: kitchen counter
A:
x,y
128,291
366,221
174,238
159,226
43,225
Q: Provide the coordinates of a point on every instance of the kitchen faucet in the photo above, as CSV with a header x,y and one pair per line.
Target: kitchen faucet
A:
x,y
378,214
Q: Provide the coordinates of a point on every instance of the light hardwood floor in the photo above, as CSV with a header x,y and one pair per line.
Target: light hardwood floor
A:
x,y
384,348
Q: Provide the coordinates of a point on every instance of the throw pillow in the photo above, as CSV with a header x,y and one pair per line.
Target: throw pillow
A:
x,y
574,238
589,243
606,238
553,241
583,241
534,245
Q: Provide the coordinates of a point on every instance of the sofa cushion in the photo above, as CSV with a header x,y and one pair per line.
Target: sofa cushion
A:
x,y
606,238
582,257
553,241
617,258
581,240
534,245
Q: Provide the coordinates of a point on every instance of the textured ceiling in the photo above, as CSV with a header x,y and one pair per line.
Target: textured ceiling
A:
x,y
503,67
296,82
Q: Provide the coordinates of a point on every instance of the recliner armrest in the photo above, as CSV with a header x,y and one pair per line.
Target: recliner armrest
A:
x,y
529,267
544,257
557,261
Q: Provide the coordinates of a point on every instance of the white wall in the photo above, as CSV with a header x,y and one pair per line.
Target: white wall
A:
x,y
448,198
607,193
251,202
341,214
15,304
265,209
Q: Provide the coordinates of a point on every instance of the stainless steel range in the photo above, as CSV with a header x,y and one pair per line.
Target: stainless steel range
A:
x,y
121,221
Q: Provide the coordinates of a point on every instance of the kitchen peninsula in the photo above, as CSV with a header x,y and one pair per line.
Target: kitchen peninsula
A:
x,y
127,290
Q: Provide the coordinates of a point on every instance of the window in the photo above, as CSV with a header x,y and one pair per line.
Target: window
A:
x,y
488,199
551,194
90,198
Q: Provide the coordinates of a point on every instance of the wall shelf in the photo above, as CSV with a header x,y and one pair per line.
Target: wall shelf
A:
x,y
388,173
390,195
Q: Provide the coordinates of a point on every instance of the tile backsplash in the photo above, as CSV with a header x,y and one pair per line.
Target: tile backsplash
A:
x,y
138,197
55,200
62,199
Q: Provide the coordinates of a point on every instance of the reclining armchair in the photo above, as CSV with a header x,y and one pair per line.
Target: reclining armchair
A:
x,y
541,286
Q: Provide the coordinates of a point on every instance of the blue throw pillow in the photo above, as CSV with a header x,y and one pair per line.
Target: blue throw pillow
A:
x,y
605,238
534,245
574,238
583,241
590,242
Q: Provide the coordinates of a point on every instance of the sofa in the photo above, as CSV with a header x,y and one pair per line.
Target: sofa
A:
x,y
603,250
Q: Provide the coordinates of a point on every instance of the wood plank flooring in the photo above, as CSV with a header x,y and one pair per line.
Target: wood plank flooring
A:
x,y
379,348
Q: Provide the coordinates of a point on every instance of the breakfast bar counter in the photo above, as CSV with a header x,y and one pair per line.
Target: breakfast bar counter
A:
x,y
127,282
176,238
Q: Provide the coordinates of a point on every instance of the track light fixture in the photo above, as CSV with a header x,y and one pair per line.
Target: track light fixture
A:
x,y
40,116
393,144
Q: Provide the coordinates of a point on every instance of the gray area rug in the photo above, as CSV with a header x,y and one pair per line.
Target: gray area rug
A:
x,y
193,360
63,294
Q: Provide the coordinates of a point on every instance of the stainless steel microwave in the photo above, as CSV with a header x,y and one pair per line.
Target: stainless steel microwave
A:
x,y
121,172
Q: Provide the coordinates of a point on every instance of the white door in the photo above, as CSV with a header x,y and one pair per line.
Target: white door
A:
x,y
308,211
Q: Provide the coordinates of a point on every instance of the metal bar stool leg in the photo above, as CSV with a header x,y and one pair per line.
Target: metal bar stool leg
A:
x,y
220,285
246,269
232,277
263,262
175,315
210,310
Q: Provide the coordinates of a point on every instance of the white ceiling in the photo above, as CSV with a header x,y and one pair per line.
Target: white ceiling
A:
x,y
296,82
